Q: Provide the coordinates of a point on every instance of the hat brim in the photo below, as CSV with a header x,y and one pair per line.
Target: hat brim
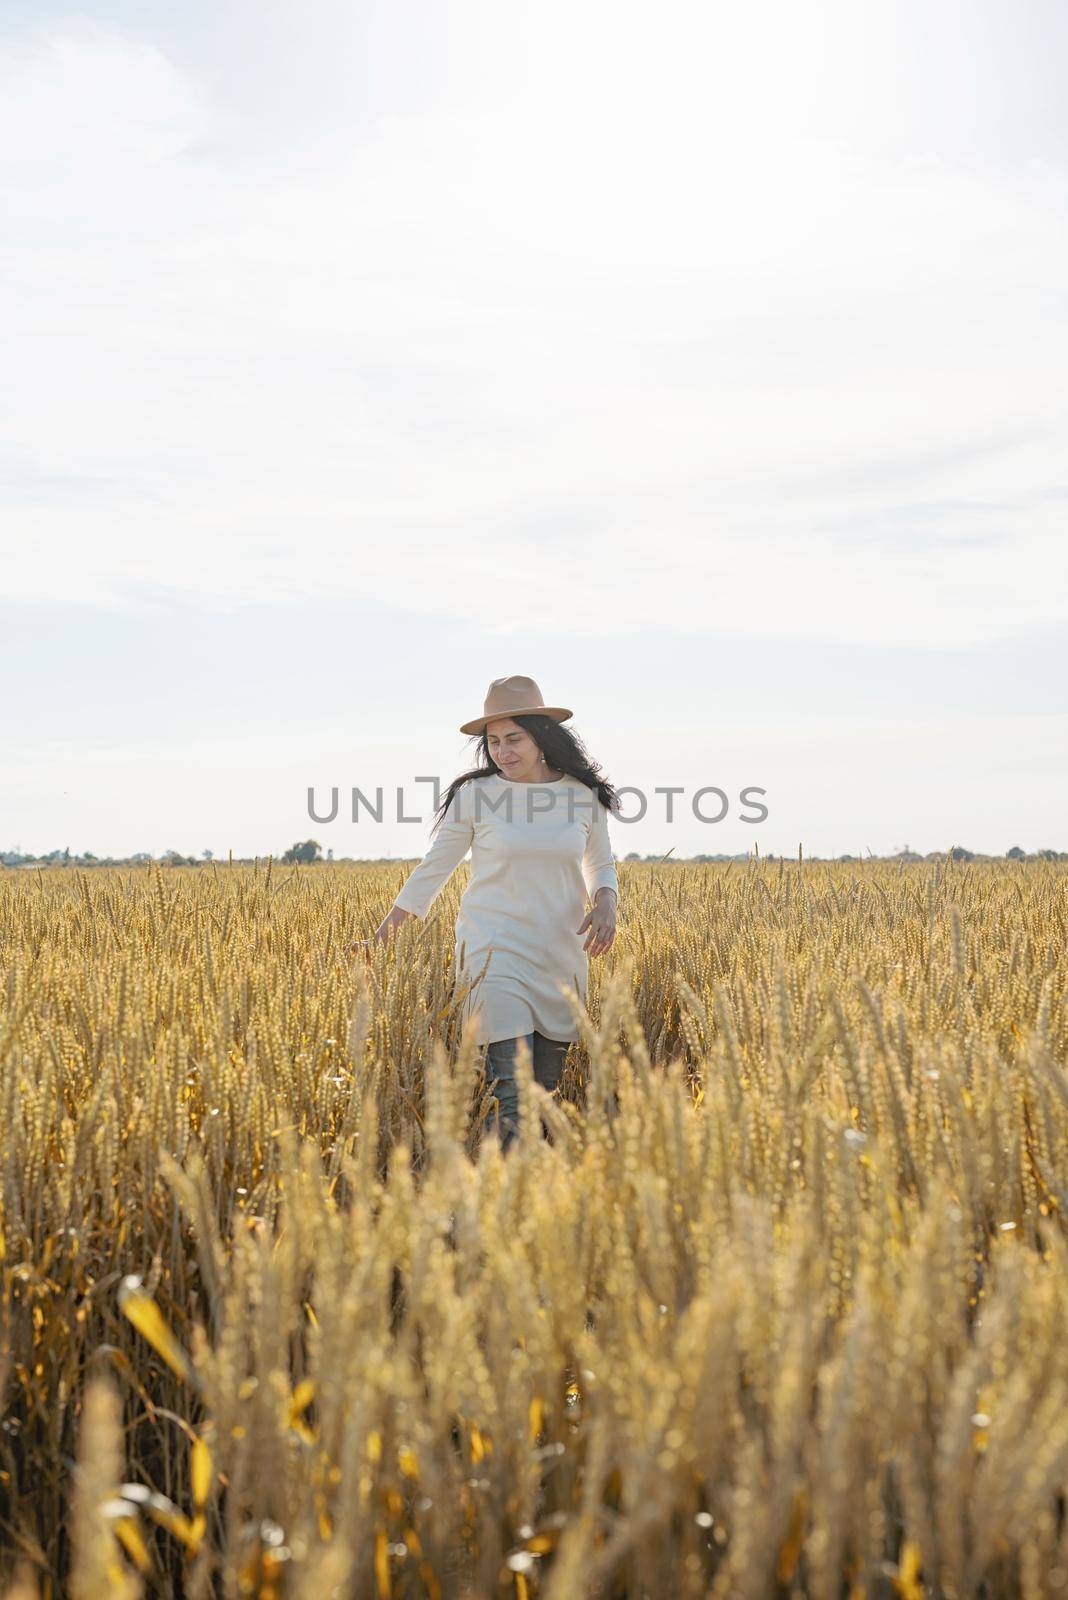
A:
x,y
556,712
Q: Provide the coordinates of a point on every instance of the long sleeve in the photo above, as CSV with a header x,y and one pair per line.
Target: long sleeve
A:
x,y
598,863
425,882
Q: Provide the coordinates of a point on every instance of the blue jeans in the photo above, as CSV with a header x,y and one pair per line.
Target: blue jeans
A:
x,y
547,1060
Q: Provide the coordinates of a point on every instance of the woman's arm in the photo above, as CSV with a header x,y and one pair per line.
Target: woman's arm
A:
x,y
598,863
426,881
602,885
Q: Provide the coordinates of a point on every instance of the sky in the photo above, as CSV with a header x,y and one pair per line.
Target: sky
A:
x,y
704,362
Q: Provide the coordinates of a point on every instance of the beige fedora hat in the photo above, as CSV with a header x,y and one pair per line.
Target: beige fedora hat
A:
x,y
513,697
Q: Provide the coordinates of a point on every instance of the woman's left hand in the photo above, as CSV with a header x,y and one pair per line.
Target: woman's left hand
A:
x,y
601,922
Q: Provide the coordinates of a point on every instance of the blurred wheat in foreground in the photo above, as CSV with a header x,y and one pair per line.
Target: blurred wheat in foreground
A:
x,y
777,1307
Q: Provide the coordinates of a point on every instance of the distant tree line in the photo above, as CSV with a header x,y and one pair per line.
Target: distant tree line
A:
x,y
309,852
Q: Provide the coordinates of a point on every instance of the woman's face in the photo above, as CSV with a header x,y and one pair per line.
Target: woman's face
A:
x,y
514,751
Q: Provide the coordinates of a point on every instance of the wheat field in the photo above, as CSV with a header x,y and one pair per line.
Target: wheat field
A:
x,y
769,1300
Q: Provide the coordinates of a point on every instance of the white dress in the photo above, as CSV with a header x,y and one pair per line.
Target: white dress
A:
x,y
536,850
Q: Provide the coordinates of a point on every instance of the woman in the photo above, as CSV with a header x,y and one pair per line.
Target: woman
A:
x,y
533,816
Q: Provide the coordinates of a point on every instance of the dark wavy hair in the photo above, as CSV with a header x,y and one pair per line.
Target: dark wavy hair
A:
x,y
561,748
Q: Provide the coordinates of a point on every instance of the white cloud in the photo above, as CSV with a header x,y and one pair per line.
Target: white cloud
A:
x,y
569,359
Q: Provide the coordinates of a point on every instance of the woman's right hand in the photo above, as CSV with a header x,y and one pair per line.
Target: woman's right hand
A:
x,y
395,917
366,946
